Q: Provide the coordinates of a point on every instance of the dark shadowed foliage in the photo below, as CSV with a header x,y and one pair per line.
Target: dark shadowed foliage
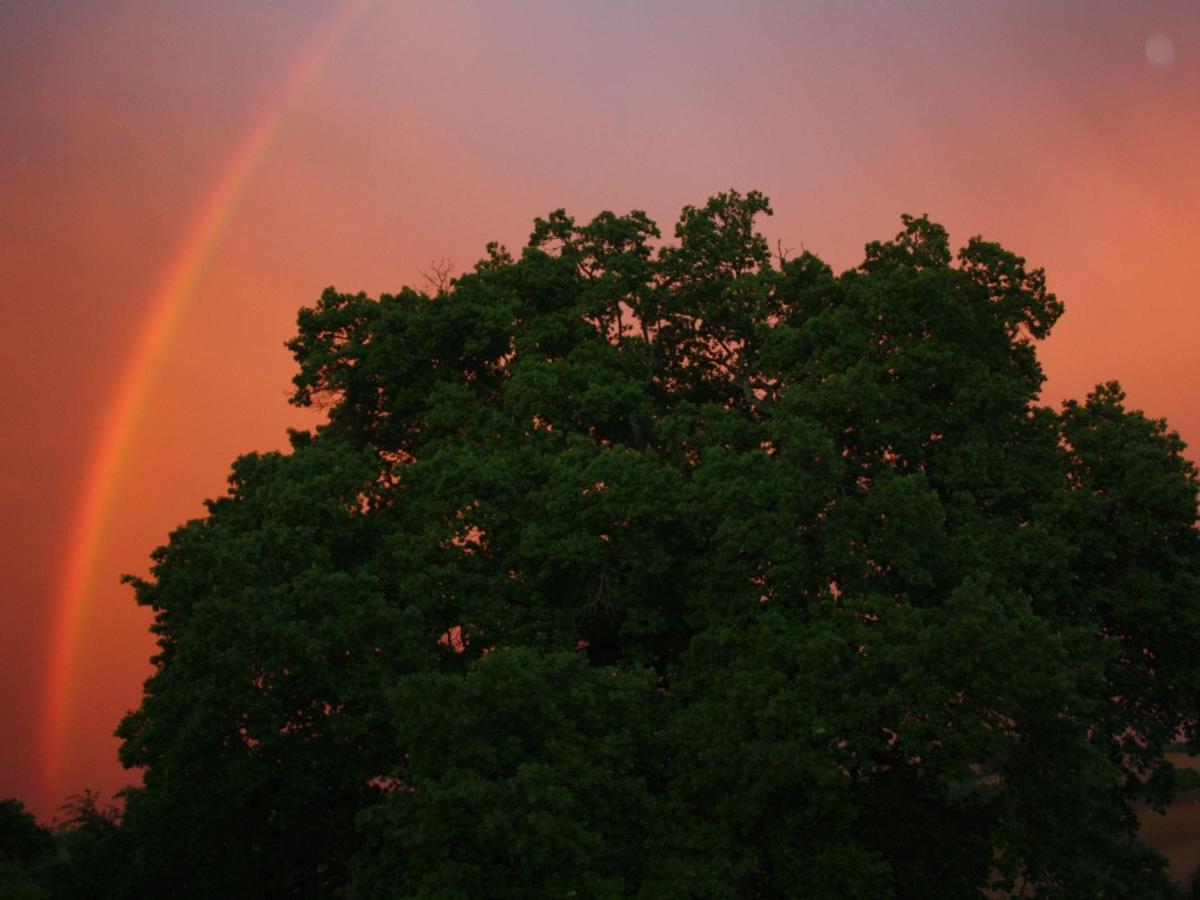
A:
x,y
25,846
628,567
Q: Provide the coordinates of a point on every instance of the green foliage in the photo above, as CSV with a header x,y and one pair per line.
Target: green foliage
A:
x,y
630,568
25,847
549,794
90,851
84,856
22,839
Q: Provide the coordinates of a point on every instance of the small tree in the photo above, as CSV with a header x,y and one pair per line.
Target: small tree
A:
x,y
630,568
25,847
90,857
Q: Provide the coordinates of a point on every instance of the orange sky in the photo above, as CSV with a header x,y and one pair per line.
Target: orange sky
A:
x,y
1067,131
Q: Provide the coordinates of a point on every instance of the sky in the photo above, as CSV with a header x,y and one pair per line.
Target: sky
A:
x,y
177,179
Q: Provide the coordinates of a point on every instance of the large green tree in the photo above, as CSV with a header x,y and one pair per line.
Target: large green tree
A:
x,y
632,567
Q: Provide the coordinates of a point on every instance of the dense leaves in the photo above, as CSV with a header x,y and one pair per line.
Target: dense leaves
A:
x,y
83,856
639,568
23,846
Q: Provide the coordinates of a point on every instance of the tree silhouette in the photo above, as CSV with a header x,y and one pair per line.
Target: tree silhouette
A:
x,y
629,567
24,847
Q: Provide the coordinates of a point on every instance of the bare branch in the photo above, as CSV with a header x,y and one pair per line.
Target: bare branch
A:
x,y
439,275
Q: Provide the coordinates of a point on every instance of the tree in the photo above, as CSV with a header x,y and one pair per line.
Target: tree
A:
x,y
82,857
24,847
90,855
632,568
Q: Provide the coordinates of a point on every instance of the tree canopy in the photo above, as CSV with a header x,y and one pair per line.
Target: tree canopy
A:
x,y
677,568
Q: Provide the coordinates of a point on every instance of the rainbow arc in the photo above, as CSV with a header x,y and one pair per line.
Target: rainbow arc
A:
x,y
170,300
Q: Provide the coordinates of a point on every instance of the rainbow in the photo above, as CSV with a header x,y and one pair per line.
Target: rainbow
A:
x,y
128,399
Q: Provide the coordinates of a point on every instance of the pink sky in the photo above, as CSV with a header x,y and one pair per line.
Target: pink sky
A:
x,y
1066,131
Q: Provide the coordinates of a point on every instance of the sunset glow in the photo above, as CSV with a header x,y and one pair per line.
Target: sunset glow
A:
x,y
179,180
152,341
